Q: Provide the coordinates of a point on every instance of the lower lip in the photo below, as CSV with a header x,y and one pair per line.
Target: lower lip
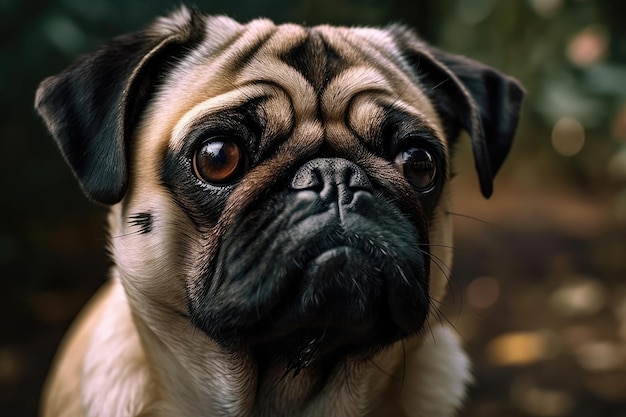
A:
x,y
330,255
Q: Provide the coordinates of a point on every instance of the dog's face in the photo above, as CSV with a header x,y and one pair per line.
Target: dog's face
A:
x,y
283,188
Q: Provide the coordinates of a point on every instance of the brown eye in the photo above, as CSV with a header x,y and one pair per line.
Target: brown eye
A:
x,y
418,167
219,161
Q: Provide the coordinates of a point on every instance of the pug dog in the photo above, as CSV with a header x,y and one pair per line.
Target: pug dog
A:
x,y
279,219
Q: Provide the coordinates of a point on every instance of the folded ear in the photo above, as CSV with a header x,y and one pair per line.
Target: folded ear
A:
x,y
92,107
471,96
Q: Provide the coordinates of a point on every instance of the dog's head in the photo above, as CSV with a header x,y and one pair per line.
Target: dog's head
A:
x,y
283,187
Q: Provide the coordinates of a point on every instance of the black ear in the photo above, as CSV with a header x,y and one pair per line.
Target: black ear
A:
x,y
92,107
471,96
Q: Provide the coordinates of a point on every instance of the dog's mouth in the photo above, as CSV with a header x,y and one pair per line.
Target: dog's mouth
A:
x,y
341,307
323,301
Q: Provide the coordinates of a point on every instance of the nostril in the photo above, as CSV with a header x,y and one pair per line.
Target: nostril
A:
x,y
357,180
307,179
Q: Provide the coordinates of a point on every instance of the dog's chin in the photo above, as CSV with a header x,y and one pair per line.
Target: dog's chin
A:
x,y
343,310
342,301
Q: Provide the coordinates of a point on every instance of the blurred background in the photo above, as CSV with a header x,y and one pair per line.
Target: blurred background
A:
x,y
538,289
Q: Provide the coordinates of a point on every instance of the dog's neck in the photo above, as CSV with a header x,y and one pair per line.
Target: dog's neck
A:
x,y
185,373
202,379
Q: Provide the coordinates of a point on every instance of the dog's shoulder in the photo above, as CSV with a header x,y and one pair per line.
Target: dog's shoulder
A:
x,y
102,336
62,392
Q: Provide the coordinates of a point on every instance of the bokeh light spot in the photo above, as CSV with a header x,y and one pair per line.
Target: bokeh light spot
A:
x,y
546,8
523,348
600,356
568,136
583,298
483,292
589,46
616,168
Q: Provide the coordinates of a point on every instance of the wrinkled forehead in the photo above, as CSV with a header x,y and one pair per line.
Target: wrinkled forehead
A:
x,y
322,74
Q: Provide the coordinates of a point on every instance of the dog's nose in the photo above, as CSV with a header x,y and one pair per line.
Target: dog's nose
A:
x,y
331,179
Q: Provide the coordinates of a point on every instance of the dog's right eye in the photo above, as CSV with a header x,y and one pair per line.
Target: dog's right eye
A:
x,y
219,160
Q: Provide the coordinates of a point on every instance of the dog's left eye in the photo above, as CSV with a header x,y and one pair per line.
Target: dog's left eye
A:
x,y
418,167
219,160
